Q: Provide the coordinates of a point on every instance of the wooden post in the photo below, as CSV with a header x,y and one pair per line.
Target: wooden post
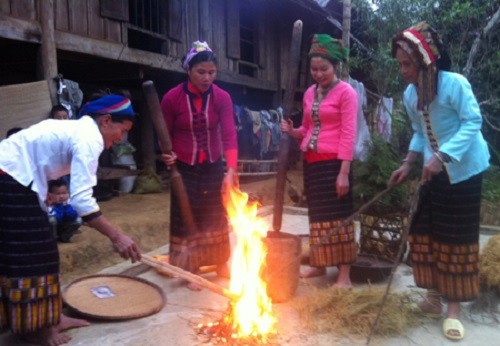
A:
x,y
147,139
48,50
346,32
284,146
153,102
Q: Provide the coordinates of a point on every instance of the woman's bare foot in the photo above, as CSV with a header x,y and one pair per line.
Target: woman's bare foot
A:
x,y
223,271
313,272
453,310
47,337
69,323
343,279
343,285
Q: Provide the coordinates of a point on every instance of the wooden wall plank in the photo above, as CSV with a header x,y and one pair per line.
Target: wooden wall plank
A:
x,y
176,14
78,17
61,15
218,43
262,38
205,20
165,46
95,21
115,51
113,30
20,29
115,9
192,22
24,9
233,29
5,6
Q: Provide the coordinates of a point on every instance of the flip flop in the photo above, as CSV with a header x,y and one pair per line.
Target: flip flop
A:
x,y
417,310
450,324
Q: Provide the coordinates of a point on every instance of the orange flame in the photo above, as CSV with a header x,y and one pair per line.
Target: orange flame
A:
x,y
252,312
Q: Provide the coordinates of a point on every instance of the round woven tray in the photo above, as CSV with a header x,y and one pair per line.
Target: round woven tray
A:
x,y
113,297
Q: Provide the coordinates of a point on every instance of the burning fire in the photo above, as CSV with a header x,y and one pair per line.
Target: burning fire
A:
x,y
253,311
250,317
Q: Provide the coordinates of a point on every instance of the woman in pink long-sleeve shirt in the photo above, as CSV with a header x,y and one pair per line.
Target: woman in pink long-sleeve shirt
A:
x,y
327,136
199,118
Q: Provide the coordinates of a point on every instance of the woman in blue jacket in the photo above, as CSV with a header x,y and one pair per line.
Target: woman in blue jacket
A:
x,y
446,123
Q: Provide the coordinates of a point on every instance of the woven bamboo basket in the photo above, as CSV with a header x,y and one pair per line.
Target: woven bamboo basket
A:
x,y
381,231
113,297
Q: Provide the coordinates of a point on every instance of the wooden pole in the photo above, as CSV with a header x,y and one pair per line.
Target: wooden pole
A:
x,y
178,272
48,50
284,145
153,103
346,32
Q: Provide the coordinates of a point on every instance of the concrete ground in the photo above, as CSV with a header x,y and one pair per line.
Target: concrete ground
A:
x,y
174,324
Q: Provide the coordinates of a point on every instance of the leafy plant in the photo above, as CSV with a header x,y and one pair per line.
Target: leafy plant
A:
x,y
491,184
461,25
371,176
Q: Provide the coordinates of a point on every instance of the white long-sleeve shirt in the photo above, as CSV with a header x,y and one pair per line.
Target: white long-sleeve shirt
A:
x,y
54,148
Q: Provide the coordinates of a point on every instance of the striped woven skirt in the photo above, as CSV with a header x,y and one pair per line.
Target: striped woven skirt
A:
x,y
331,243
210,243
29,261
444,238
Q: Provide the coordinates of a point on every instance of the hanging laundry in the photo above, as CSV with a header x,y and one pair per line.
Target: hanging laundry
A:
x,y
384,120
69,95
363,137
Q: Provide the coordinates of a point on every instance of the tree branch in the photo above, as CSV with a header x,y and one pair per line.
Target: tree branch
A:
x,y
495,19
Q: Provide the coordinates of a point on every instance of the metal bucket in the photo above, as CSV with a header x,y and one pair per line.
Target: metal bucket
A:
x,y
282,271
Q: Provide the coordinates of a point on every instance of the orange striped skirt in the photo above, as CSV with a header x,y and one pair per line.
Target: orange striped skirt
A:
x,y
444,238
29,304
450,269
332,244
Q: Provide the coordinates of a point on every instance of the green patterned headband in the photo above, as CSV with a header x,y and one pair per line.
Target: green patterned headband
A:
x,y
327,47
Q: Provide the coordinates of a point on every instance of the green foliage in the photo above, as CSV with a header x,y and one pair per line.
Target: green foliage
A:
x,y
491,184
371,176
494,153
459,23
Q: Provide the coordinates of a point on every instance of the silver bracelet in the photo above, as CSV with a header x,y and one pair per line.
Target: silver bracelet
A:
x,y
438,155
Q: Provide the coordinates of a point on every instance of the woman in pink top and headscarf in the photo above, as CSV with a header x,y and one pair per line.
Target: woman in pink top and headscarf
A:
x,y
327,136
199,118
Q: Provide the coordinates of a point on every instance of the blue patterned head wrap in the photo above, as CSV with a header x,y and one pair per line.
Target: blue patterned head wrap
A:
x,y
109,104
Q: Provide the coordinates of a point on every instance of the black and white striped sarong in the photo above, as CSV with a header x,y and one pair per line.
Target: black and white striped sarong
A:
x,y
444,238
210,245
331,243
29,261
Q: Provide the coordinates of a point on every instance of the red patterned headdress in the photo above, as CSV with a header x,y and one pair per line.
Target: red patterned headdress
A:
x,y
421,42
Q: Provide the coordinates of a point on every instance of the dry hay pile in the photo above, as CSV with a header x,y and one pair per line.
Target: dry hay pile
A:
x,y
354,311
489,264
486,308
